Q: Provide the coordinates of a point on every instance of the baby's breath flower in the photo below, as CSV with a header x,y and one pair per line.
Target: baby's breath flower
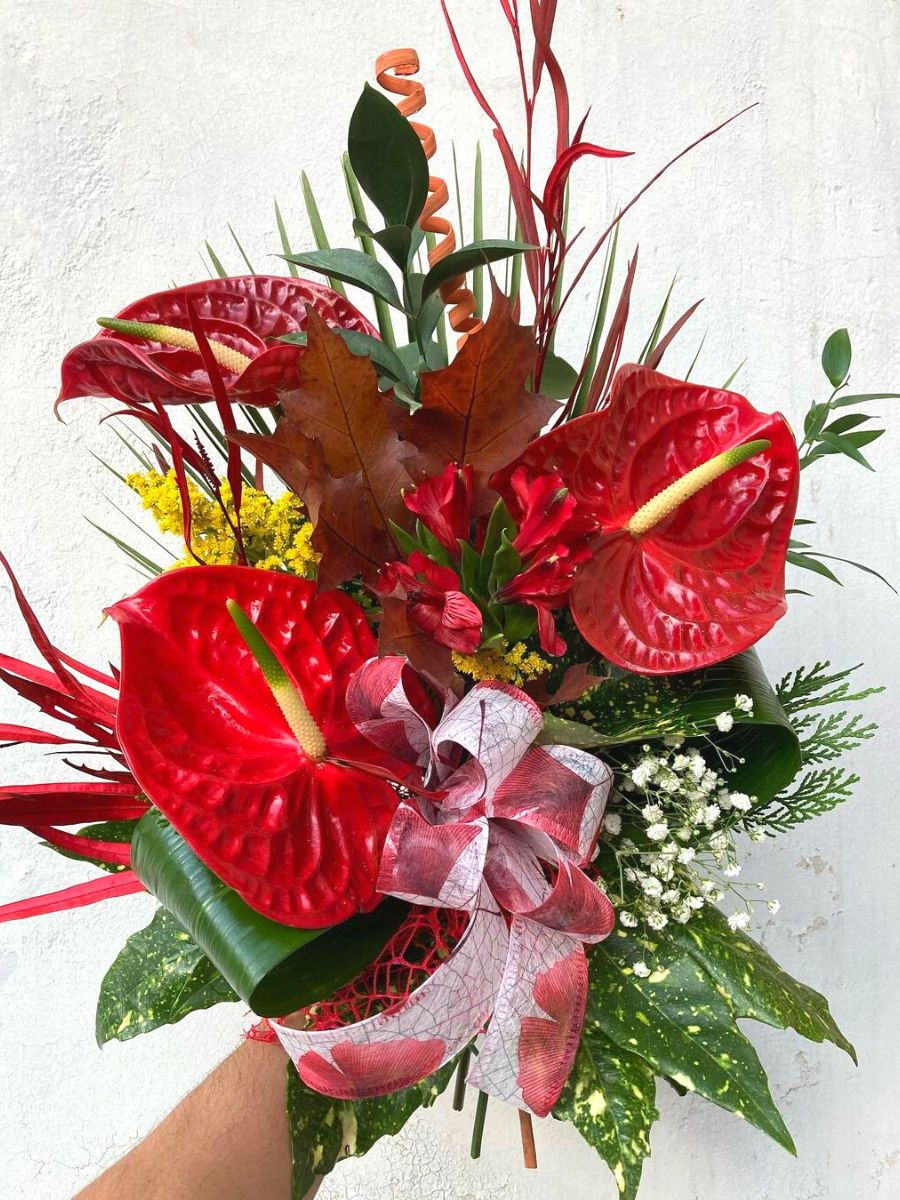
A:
x,y
739,920
612,823
628,919
743,703
773,906
658,832
724,722
741,801
657,920
641,970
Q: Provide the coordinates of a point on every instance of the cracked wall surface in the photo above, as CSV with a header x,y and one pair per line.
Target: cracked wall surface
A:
x,y
133,132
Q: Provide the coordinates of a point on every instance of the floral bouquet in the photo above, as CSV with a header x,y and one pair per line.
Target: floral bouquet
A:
x,y
439,731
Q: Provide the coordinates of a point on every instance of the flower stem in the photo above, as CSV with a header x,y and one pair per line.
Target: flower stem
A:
x,y
478,1127
459,1090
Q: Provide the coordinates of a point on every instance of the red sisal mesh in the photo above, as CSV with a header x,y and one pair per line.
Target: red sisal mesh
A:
x,y
416,950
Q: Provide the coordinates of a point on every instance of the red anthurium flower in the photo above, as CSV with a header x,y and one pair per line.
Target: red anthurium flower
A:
x,y
147,354
691,493
443,504
434,601
233,720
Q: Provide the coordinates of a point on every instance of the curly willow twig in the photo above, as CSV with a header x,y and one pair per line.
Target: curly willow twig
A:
x,y
392,70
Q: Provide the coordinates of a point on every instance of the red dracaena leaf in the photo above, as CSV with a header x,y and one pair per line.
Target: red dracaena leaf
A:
x,y
298,839
707,581
577,679
125,883
245,312
118,853
477,411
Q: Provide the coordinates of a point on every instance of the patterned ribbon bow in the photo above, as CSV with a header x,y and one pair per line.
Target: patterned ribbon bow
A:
x,y
504,835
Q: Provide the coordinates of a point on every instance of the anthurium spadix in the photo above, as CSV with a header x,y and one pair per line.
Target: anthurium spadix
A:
x,y
232,717
689,495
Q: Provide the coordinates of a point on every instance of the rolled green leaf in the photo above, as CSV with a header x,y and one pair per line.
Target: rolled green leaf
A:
x,y
275,969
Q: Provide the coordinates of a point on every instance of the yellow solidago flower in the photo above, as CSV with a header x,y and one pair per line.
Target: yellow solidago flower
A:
x,y
276,532
516,665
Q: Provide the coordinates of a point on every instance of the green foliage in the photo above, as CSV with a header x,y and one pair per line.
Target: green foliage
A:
x,y
387,158
760,753
323,1130
824,737
680,1022
274,968
610,1099
159,976
463,260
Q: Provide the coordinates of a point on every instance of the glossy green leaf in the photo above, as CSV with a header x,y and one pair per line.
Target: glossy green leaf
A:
x,y
761,749
323,1130
364,345
159,976
274,968
463,260
353,266
679,1023
863,398
610,1098
753,984
558,378
836,356
387,158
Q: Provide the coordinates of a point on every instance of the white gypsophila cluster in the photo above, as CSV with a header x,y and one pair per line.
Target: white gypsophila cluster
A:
x,y
683,817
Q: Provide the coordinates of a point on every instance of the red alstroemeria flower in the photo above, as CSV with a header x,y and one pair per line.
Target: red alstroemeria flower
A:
x,y
545,584
296,831
544,508
241,317
434,601
443,504
691,493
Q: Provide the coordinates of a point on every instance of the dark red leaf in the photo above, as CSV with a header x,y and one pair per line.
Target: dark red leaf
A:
x,y
124,883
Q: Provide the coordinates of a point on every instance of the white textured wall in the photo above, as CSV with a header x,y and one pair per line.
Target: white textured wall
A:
x,y
131,132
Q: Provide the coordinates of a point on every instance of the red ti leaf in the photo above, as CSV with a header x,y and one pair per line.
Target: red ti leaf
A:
x,y
118,853
125,883
298,838
477,411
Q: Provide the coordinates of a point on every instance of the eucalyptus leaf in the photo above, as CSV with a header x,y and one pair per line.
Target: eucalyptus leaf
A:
x,y
274,968
158,977
387,158
352,266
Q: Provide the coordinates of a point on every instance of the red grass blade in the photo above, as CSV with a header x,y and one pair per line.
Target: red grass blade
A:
x,y
126,883
656,357
109,852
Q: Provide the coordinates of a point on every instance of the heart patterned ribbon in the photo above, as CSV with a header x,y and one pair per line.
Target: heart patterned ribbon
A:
x,y
503,833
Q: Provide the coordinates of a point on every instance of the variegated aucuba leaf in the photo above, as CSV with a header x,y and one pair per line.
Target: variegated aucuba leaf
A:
x,y
159,977
324,1130
610,1099
678,1022
753,984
